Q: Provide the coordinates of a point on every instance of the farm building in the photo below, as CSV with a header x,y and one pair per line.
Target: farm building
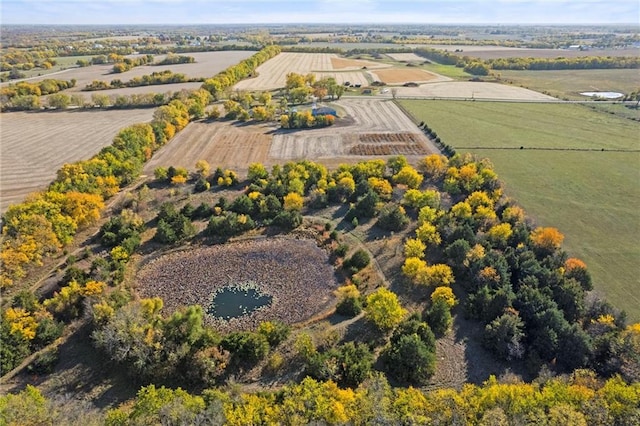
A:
x,y
324,111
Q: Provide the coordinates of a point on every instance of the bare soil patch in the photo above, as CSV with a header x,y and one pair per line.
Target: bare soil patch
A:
x,y
295,272
396,75
35,145
389,144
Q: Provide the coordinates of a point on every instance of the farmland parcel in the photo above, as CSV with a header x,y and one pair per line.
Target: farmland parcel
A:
x,y
35,145
591,195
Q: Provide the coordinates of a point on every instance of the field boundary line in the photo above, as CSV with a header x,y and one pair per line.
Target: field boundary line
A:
x,y
522,148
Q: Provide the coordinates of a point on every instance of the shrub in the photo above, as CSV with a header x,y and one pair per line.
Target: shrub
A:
x,y
358,261
410,360
275,331
349,307
246,346
393,218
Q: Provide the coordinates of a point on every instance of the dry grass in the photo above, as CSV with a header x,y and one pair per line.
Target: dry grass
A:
x,y
405,57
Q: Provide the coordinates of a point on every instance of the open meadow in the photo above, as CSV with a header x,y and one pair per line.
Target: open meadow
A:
x,y
578,171
570,83
35,145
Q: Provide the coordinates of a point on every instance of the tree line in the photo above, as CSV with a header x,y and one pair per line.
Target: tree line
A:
x,y
155,78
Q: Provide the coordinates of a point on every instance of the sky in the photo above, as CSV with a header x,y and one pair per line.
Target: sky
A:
x,y
49,12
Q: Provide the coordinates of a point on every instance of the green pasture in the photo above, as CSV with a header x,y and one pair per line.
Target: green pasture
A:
x,y
569,83
592,196
447,70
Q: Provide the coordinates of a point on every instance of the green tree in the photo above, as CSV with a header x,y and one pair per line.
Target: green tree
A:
x,y
410,360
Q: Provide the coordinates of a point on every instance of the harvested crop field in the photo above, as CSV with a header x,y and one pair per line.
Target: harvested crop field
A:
x,y
353,77
207,65
378,128
191,277
372,127
406,57
220,143
35,145
396,75
273,73
342,63
495,52
472,90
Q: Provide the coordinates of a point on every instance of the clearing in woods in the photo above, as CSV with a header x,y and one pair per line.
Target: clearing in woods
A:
x,y
35,145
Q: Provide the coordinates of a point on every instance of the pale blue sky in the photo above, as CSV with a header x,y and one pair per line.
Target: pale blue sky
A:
x,y
318,11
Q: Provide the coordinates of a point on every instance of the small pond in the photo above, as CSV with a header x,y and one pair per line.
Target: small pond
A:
x,y
233,302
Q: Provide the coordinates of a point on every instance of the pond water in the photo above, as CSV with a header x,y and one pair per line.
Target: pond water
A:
x,y
605,95
232,302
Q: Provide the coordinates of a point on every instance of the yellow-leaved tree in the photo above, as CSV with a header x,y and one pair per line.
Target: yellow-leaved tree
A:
x,y
384,309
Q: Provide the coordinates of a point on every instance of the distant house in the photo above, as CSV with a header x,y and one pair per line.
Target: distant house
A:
x,y
324,111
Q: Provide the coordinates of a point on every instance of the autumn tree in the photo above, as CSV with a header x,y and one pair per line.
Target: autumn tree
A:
x,y
408,176
384,309
546,239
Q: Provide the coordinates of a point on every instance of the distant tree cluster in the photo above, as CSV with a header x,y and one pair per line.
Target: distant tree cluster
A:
x,y
173,59
26,96
123,64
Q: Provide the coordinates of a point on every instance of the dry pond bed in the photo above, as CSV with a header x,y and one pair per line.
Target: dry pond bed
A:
x,y
295,273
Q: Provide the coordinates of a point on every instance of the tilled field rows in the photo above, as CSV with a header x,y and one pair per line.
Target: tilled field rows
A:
x,y
273,73
407,57
353,77
34,146
207,64
220,144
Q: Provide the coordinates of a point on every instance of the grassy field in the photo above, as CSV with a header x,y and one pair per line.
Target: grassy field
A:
x,y
593,197
569,83
447,70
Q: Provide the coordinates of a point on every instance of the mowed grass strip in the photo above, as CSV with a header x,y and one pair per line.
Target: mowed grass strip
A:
x,y
593,197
